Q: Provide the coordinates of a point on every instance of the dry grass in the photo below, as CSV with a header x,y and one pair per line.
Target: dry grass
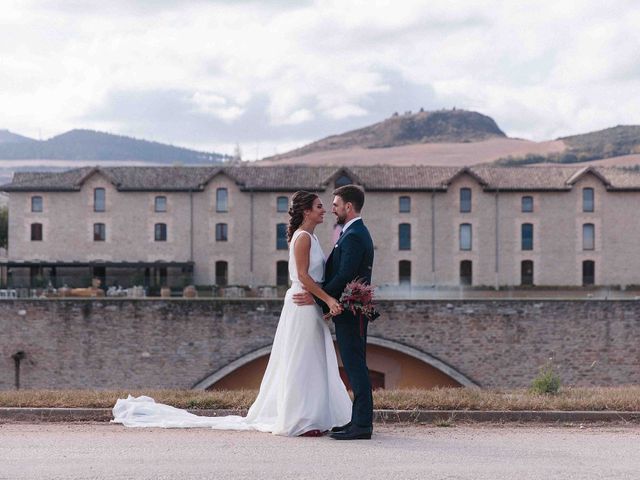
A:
x,y
107,398
442,154
619,399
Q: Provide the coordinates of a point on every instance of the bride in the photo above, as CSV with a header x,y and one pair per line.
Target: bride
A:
x,y
301,392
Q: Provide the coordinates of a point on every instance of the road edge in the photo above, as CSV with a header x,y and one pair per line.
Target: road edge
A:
x,y
70,415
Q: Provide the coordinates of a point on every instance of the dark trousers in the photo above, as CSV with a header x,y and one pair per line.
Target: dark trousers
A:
x,y
353,352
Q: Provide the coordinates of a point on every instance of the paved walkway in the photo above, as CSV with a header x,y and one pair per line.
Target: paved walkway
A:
x,y
74,451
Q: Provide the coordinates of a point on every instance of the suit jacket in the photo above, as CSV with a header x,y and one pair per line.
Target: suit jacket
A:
x,y
351,258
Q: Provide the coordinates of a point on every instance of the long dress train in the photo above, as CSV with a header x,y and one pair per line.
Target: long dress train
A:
x,y
301,389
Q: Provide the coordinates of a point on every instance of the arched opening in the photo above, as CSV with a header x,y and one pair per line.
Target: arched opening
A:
x,y
404,272
222,273
466,272
282,273
391,365
526,272
588,273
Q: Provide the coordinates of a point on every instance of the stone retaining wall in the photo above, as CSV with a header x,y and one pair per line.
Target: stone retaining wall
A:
x,y
174,343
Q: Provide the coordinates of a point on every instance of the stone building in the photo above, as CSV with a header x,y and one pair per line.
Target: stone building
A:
x,y
432,226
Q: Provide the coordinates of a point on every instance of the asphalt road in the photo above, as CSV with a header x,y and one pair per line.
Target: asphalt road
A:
x,y
103,451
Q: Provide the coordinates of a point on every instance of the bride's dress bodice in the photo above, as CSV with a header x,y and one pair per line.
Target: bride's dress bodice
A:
x,y
316,259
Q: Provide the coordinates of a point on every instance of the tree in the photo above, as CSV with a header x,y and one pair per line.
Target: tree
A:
x,y
4,227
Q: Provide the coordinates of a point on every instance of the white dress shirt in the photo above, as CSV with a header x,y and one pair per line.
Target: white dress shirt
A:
x,y
348,224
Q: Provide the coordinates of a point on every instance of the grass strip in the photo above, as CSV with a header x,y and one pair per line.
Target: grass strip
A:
x,y
568,399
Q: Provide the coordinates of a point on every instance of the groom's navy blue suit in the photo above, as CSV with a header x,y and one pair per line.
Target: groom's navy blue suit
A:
x,y
351,258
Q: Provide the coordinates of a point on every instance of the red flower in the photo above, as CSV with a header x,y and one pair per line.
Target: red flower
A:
x,y
358,298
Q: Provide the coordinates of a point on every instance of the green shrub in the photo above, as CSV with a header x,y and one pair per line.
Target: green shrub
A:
x,y
547,381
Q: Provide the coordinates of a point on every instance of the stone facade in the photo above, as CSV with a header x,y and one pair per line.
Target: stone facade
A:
x,y
129,344
496,220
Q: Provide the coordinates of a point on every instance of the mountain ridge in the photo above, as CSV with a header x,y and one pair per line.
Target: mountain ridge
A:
x,y
85,144
9,137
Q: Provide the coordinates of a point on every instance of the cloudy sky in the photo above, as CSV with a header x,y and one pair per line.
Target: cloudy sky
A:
x,y
274,74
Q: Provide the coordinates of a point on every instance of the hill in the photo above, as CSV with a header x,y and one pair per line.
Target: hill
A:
x,y
439,154
442,126
607,143
8,137
616,145
89,145
443,137
458,138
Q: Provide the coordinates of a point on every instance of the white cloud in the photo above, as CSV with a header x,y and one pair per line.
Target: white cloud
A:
x,y
540,68
216,105
346,111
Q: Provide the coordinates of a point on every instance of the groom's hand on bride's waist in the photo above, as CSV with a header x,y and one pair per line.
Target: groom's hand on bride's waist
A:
x,y
303,298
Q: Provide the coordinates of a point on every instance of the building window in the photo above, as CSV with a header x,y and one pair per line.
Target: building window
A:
x,y
99,232
222,200
404,272
587,200
161,204
405,204
404,236
100,272
36,204
588,272
282,204
281,236
465,236
466,272
588,236
36,276
526,272
36,232
527,204
527,236
222,273
160,232
99,200
221,232
343,180
53,277
465,200
161,276
282,273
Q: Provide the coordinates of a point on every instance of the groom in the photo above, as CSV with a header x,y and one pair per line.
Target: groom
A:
x,y
351,258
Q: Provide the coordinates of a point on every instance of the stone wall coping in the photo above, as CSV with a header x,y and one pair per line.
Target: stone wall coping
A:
x,y
280,300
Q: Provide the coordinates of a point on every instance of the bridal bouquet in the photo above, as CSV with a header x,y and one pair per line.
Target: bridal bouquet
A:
x,y
357,297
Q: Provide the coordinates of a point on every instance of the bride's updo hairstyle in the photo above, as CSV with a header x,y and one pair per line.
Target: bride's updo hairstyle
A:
x,y
300,202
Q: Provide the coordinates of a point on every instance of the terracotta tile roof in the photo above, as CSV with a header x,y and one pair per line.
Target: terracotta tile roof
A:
x,y
404,178
46,180
284,178
526,178
297,177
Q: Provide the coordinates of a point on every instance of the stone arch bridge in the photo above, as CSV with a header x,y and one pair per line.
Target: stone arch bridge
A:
x,y
224,343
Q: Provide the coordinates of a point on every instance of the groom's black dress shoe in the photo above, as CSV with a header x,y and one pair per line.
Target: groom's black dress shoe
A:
x,y
353,432
340,429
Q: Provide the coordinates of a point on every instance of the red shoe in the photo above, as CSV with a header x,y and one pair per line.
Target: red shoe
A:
x,y
312,433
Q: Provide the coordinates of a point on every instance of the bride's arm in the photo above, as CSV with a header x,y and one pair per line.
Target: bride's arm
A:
x,y
301,253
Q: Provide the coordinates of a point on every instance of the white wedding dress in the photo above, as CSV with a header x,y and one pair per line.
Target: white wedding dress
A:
x,y
301,389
